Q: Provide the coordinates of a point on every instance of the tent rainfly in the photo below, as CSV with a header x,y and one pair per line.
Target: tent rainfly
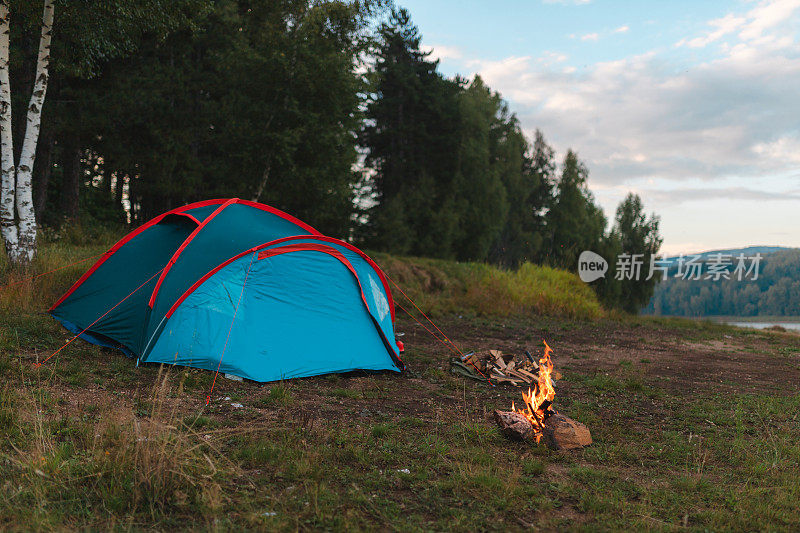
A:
x,y
239,287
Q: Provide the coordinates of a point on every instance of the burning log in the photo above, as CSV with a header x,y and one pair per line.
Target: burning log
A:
x,y
564,433
559,432
537,419
514,426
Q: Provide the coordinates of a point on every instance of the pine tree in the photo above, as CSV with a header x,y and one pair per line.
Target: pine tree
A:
x,y
411,143
528,176
574,223
479,189
636,234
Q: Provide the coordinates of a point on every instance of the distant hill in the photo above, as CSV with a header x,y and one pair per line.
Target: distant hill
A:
x,y
776,292
748,251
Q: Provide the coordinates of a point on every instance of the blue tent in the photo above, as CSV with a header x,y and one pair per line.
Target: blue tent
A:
x,y
238,287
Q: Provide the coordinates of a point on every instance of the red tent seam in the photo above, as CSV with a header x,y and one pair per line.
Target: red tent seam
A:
x,y
183,246
225,263
177,211
352,248
119,244
311,247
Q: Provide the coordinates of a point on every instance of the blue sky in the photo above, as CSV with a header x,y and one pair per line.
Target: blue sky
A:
x,y
693,105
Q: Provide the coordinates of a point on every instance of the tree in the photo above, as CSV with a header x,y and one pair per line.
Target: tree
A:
x,y
411,142
528,176
636,234
90,34
17,217
574,223
483,161
251,99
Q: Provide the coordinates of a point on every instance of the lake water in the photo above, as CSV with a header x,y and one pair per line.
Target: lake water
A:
x,y
795,326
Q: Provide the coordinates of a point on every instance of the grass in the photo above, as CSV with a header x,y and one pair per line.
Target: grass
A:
x,y
91,442
445,287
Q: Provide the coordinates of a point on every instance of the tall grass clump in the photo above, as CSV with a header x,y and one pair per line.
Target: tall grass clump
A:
x,y
58,264
443,287
67,470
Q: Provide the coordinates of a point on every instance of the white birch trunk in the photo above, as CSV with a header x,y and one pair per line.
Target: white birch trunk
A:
x,y
8,227
24,191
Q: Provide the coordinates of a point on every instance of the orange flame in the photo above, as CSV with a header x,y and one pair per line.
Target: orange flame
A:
x,y
538,401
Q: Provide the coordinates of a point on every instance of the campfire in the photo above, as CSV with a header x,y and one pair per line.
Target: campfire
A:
x,y
539,399
538,419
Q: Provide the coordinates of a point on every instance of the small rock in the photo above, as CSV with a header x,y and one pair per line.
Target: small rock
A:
x,y
404,471
563,433
237,405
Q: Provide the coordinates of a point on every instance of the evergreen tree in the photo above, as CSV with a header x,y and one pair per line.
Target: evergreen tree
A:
x,y
256,100
528,176
636,234
574,223
483,162
411,140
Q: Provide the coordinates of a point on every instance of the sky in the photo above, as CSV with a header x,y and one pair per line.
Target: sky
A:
x,y
695,106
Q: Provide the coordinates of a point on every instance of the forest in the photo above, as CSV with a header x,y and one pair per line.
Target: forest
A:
x,y
330,110
775,292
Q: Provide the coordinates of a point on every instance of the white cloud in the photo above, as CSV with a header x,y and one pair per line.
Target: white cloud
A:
x,y
701,194
785,149
551,58
768,15
622,29
443,52
648,116
722,26
590,37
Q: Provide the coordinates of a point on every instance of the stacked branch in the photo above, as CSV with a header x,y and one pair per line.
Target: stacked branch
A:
x,y
516,370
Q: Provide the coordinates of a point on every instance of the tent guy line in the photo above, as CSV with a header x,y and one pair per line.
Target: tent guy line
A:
x,y
233,319
447,342
37,276
99,318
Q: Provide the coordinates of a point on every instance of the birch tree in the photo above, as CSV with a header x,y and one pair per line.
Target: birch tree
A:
x,y
17,218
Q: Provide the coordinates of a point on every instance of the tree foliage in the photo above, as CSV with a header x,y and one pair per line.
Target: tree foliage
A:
x,y
635,234
776,292
328,109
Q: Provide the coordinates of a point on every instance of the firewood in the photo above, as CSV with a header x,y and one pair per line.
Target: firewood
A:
x,y
531,377
564,433
517,374
514,426
501,378
560,432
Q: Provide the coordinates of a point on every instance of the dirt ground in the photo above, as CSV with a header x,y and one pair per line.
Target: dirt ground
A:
x,y
684,361
666,402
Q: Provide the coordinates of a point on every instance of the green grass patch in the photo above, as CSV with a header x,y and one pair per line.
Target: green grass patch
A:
x,y
444,287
